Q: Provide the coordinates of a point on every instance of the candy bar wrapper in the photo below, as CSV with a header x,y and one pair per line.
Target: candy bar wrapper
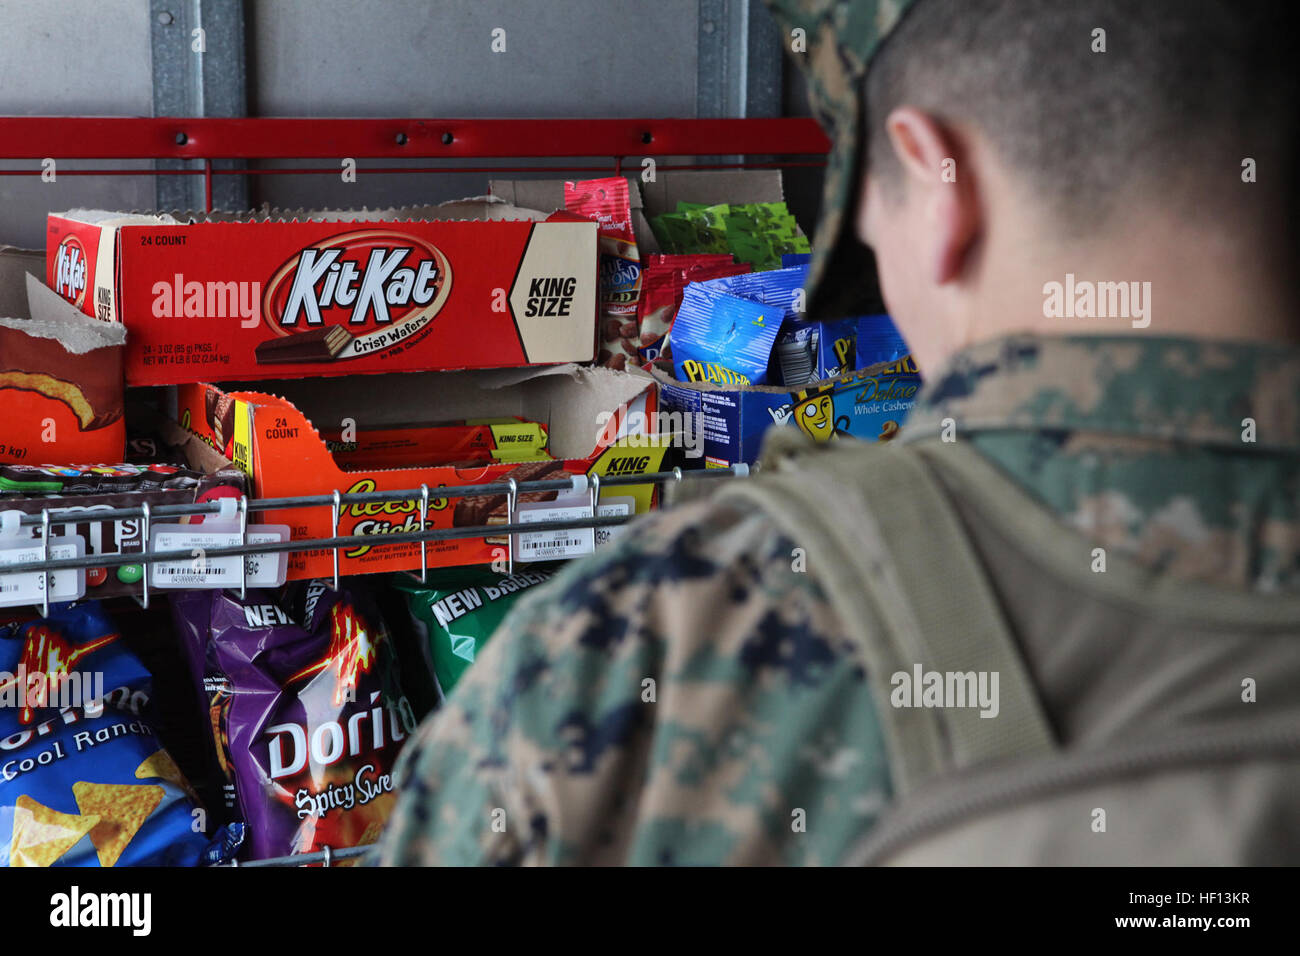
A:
x,y
607,202
61,384
420,445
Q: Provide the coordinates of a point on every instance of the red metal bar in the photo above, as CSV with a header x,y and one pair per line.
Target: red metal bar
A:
x,y
36,137
333,171
207,185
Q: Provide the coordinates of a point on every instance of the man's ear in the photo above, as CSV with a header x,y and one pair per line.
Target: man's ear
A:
x,y
931,157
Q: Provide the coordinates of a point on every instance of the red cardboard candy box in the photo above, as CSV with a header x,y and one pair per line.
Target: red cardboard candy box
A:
x,y
275,298
598,422
60,384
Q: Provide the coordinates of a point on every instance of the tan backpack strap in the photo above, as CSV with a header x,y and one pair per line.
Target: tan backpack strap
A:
x,y
888,549
1068,553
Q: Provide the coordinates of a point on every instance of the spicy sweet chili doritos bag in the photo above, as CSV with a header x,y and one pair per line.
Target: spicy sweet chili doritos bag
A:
x,y
305,708
84,780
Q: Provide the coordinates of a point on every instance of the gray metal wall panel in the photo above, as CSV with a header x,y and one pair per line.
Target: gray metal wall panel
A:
x,y
434,58
72,57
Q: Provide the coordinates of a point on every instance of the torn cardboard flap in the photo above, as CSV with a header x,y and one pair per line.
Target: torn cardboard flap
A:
x,y
478,208
52,317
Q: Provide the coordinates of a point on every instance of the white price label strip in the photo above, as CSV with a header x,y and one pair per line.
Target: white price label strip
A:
x,y
612,506
568,542
29,587
549,545
201,571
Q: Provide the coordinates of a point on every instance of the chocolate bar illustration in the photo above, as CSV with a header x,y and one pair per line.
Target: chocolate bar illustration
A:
x,y
89,383
220,410
318,345
491,509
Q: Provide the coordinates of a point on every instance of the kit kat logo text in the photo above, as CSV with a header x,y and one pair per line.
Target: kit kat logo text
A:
x,y
70,270
352,295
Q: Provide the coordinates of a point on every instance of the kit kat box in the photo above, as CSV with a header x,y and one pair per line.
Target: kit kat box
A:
x,y
254,299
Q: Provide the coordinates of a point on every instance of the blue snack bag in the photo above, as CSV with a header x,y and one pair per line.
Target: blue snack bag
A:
x,y
83,778
780,288
878,340
722,339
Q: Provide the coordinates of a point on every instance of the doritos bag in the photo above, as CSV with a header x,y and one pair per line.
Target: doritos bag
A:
x,y
84,781
306,709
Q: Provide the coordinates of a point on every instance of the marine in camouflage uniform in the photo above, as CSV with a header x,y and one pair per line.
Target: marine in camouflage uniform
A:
x,y
688,695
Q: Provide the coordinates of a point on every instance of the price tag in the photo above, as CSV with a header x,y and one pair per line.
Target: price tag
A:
x,y
550,545
29,587
612,506
201,571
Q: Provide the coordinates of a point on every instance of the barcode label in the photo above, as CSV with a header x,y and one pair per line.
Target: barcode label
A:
x,y
560,542
201,571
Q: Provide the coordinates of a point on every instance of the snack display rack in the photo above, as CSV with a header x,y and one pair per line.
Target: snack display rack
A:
x,y
240,508
601,147
607,145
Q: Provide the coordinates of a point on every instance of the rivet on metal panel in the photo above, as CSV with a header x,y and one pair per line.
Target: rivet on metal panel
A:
x,y
181,139
447,139
400,139
334,522
166,19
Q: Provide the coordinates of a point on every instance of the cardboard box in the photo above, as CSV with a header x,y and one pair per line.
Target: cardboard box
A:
x,y
465,285
598,422
60,377
869,405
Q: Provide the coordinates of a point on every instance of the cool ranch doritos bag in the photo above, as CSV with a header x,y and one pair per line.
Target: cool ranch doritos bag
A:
x,y
303,695
83,778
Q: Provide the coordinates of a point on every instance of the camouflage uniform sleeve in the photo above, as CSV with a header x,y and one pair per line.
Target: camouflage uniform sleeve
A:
x,y
684,697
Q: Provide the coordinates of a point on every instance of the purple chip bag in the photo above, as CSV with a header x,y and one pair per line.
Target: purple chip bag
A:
x,y
306,709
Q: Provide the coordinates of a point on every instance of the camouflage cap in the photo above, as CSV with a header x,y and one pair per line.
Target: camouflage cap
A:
x,y
838,39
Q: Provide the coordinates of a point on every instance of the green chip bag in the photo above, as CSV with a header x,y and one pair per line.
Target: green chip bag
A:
x,y
458,609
